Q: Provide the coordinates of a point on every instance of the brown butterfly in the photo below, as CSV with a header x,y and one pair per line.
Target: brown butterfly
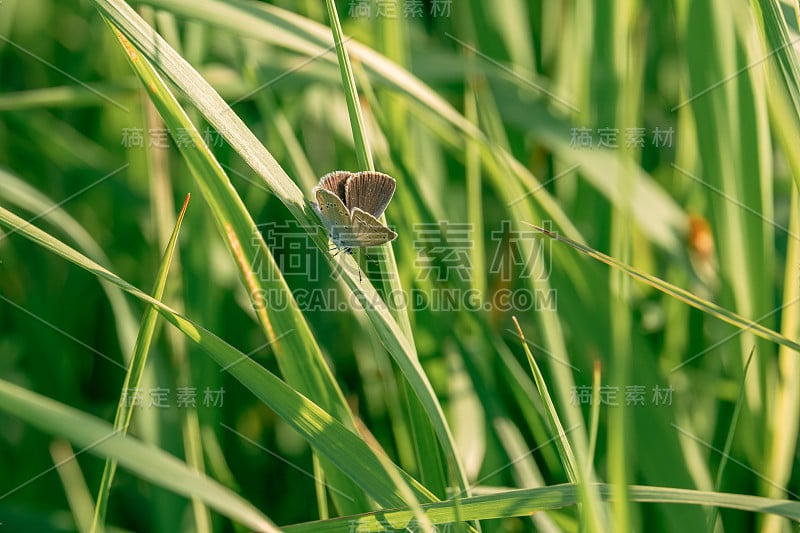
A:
x,y
349,205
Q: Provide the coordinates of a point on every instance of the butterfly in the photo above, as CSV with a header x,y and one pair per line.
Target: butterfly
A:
x,y
349,205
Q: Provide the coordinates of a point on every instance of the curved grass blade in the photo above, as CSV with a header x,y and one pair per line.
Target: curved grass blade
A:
x,y
133,377
22,194
288,30
726,450
323,432
147,43
286,329
75,489
434,473
100,438
564,447
416,411
676,292
504,503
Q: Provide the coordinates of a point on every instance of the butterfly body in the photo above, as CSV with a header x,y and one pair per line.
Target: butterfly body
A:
x,y
349,205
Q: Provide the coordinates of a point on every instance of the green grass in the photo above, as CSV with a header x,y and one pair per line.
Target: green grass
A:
x,y
634,367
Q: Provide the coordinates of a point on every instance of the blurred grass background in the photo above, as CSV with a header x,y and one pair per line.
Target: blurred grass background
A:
x,y
663,134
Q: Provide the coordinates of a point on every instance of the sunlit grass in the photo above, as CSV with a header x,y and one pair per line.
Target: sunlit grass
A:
x,y
476,371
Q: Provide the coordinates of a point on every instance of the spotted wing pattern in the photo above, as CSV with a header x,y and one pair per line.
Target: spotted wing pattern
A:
x,y
367,231
369,191
334,215
348,205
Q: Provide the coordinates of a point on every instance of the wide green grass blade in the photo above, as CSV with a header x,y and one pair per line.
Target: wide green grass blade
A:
x,y
328,436
655,212
286,330
434,471
230,126
736,154
152,464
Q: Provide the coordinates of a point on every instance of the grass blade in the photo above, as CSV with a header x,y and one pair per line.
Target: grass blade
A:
x,y
712,521
100,438
363,153
286,330
133,377
328,436
503,503
434,414
681,294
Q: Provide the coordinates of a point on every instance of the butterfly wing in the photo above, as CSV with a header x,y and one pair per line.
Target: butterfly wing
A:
x,y
369,191
366,230
335,182
335,216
